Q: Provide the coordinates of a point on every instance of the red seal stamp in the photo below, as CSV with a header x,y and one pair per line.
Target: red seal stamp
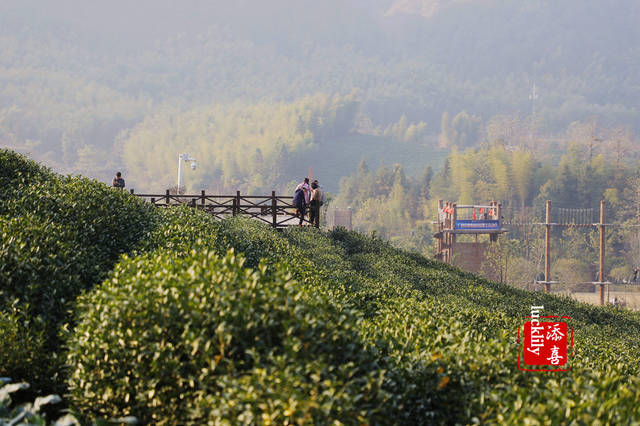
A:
x,y
546,342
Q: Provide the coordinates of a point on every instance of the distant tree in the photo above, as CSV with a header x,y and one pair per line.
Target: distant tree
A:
x,y
462,131
523,171
425,182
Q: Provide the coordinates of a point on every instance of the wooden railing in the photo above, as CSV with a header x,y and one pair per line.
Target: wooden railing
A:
x,y
276,210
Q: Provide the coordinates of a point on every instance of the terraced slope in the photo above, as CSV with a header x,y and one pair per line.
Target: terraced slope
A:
x,y
232,322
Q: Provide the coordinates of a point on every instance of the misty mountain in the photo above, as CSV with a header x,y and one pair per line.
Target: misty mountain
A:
x,y
77,74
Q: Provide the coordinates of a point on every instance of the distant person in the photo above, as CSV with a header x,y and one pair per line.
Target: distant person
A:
x,y
306,194
299,202
316,202
307,190
118,182
635,275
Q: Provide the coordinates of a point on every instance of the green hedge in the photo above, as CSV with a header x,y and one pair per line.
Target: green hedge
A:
x,y
185,339
181,229
59,236
16,169
312,327
23,343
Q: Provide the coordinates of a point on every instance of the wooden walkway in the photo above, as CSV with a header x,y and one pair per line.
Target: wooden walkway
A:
x,y
275,210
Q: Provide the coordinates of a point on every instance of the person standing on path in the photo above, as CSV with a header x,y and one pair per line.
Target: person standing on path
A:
x,y
301,199
118,182
316,201
306,190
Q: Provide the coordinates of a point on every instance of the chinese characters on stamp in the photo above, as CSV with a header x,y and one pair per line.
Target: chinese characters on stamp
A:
x,y
546,343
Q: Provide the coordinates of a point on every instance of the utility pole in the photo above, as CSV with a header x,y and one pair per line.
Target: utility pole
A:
x,y
602,252
547,248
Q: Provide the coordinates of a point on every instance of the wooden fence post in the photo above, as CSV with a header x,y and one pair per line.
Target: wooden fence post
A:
x,y
167,195
202,199
238,202
274,209
440,228
454,217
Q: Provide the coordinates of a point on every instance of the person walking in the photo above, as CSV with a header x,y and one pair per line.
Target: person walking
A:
x,y
118,182
315,203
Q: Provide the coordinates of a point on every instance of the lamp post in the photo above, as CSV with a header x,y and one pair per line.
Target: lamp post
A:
x,y
187,159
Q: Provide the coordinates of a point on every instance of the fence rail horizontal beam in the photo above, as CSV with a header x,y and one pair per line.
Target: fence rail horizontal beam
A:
x,y
276,210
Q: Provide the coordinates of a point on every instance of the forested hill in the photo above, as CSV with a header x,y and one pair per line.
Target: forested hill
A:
x,y
75,76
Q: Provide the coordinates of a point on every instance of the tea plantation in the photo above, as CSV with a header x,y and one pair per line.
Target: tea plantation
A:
x,y
174,318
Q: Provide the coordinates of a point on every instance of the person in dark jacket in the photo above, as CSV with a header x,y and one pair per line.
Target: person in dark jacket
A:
x,y
118,182
299,200
316,198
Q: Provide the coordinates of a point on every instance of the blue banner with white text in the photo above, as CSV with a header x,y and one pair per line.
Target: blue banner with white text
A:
x,y
481,225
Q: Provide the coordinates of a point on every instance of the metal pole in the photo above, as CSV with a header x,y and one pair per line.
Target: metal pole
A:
x,y
547,248
180,156
602,252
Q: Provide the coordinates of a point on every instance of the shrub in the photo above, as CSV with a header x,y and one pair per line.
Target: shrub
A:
x,y
23,341
42,266
107,222
182,229
174,339
256,241
16,169
59,236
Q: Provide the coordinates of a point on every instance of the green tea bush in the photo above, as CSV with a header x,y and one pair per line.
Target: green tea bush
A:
x,y
107,221
181,229
312,327
64,235
254,240
59,236
434,316
42,265
16,169
22,340
189,339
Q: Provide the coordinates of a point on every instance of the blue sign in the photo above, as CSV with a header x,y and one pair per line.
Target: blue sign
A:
x,y
480,225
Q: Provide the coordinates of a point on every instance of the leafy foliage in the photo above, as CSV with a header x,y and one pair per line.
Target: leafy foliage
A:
x,y
304,326
175,340
60,236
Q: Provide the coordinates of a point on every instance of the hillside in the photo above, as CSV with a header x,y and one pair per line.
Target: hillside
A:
x,y
76,78
231,321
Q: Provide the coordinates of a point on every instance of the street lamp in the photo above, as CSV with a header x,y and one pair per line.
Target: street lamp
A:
x,y
187,159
